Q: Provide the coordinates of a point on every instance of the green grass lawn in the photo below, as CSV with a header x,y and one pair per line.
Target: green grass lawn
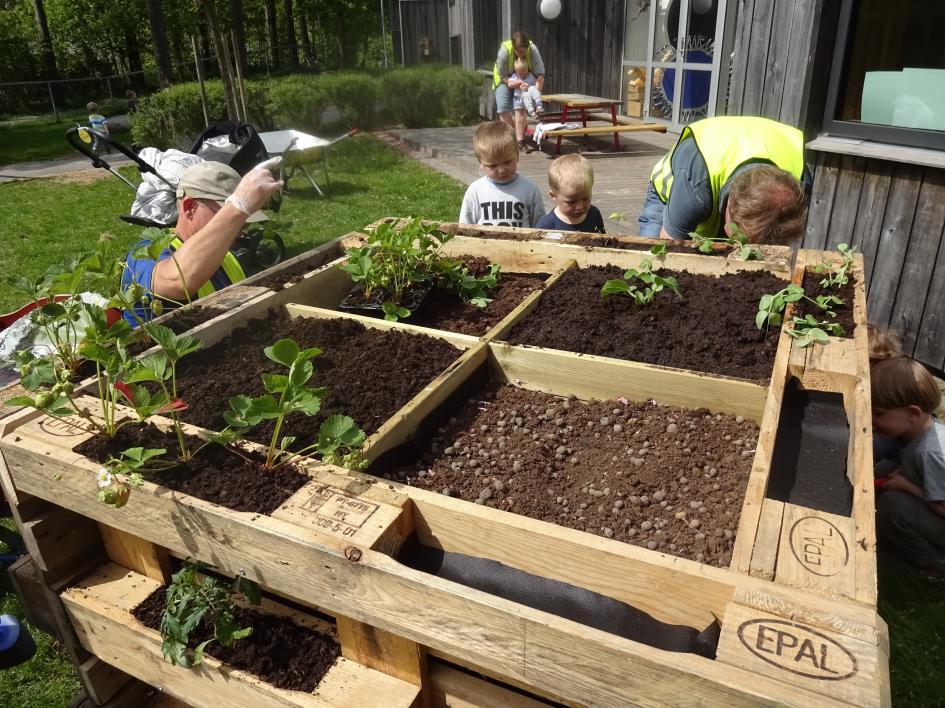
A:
x,y
45,220
41,138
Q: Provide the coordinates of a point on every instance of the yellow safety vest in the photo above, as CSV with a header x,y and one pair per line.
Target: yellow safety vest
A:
x,y
726,143
231,266
496,76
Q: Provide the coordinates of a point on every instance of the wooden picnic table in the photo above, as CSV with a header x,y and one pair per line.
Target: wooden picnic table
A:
x,y
584,103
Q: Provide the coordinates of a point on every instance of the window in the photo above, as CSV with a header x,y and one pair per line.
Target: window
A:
x,y
487,31
887,81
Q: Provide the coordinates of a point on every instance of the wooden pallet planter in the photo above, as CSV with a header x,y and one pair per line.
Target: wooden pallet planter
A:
x,y
789,635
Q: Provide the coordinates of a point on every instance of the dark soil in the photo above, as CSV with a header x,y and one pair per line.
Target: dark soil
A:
x,y
711,329
278,651
214,475
844,312
370,373
289,276
443,310
183,320
657,476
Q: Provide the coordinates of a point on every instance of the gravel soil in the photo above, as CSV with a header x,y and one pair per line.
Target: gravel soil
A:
x,y
661,477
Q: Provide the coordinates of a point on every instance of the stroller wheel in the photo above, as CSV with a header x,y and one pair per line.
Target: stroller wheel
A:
x,y
269,251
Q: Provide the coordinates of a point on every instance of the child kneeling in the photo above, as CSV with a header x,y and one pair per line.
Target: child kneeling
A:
x,y
911,508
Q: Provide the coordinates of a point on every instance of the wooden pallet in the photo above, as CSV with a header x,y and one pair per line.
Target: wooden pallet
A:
x,y
790,634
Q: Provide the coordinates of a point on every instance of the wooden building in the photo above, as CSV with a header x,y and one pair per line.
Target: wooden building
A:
x,y
864,79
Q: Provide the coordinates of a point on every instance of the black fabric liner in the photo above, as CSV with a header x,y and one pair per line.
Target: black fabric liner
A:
x,y
559,598
809,466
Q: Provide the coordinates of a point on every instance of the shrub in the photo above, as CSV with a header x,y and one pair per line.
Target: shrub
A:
x,y
174,117
355,95
297,102
432,95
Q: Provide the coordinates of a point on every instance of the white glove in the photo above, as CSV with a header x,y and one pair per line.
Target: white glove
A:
x,y
257,186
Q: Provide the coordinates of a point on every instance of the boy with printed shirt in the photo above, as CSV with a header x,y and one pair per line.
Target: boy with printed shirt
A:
x,y
501,197
910,510
571,179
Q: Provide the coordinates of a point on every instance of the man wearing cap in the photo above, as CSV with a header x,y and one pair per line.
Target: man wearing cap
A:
x,y
213,204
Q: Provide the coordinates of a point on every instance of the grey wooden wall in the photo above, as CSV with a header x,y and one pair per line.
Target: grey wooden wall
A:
x,y
421,18
895,213
582,50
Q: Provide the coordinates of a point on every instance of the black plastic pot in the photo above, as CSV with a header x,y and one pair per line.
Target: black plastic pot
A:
x,y
356,302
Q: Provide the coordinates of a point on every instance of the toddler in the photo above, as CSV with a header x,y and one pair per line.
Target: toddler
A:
x,y
527,97
99,123
571,179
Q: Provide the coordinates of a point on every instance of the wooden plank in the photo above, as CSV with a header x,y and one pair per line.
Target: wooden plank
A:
x,y
315,258
816,551
764,555
821,201
28,587
562,373
755,74
52,536
100,610
515,642
930,340
741,56
818,660
522,310
460,689
136,554
798,67
871,211
846,200
916,275
383,651
894,241
776,76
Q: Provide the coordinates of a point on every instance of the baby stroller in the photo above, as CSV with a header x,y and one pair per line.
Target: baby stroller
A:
x,y
233,143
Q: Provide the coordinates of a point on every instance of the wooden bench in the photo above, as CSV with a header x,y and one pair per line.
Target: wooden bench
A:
x,y
603,130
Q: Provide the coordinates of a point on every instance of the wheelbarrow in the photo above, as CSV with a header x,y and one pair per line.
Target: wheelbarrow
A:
x,y
300,150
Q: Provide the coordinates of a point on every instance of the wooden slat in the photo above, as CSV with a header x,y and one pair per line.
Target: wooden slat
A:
x,y
818,660
28,587
870,212
755,74
741,56
100,610
930,340
136,554
776,76
460,689
916,275
821,201
843,218
523,309
315,258
764,555
816,551
382,651
562,373
607,129
894,242
799,65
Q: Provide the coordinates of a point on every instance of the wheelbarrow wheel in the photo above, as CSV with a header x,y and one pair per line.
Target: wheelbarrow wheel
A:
x,y
269,251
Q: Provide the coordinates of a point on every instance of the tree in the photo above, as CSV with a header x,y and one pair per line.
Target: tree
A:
x,y
238,23
45,41
162,53
272,31
289,21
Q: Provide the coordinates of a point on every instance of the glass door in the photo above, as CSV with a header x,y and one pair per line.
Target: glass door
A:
x,y
670,59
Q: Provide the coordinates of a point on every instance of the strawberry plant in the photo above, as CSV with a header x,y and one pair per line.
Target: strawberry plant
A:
x,y
119,474
737,240
339,436
650,284
837,275
397,268
193,599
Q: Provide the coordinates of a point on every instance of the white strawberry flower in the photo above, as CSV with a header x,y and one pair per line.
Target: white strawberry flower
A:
x,y
104,478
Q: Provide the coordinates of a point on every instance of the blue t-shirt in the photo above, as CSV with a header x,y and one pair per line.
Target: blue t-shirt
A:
x,y
593,221
141,271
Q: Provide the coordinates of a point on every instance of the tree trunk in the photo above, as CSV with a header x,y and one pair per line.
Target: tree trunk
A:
x,y
344,50
272,31
162,53
238,23
51,70
290,34
306,38
228,90
134,58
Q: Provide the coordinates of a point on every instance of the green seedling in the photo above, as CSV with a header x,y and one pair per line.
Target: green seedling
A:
x,y
771,312
339,437
809,330
650,284
193,598
738,240
837,275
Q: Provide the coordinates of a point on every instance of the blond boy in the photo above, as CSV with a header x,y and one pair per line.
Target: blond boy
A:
x,y
526,94
911,508
571,179
501,197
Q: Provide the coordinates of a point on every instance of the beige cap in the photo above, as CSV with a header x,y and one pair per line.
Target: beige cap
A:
x,y
214,181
